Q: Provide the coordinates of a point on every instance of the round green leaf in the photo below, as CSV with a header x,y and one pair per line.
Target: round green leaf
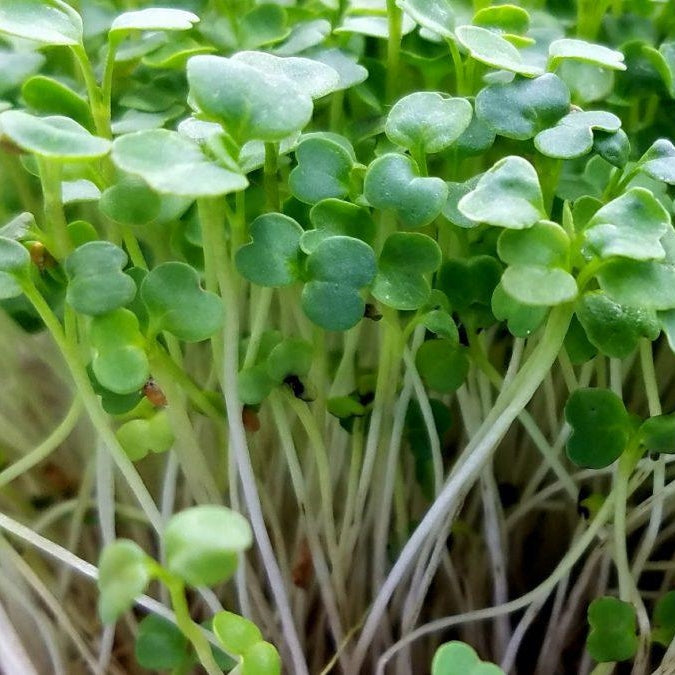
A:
x,y
507,195
435,15
254,384
489,48
50,96
455,193
539,286
521,319
392,182
646,284
663,622
177,303
271,259
152,18
292,356
202,544
600,427
658,434
613,328
254,106
613,626
170,163
469,282
545,243
428,121
458,658
323,170
96,283
580,50
522,108
442,364
159,644
337,268
14,264
140,437
123,575
235,633
264,24
333,217
406,260
130,202
49,22
350,73
659,161
476,139
261,659
586,81
303,36
508,19
612,146
53,137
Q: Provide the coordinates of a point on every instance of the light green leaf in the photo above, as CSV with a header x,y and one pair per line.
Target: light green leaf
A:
x,y
152,18
49,22
539,286
435,15
646,284
580,50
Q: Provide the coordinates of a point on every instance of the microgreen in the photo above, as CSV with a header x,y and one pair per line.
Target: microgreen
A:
x,y
612,635
455,658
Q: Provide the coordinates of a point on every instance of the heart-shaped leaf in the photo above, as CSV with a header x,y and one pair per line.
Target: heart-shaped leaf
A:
x,y
407,259
254,106
435,15
333,217
545,243
428,121
458,658
14,265
235,633
646,284
393,182
202,544
538,285
580,50
177,303
522,108
120,363
658,434
600,427
271,259
522,320
469,282
493,50
663,622
630,226
49,22
573,135
614,329
96,283
659,161
141,437
337,268
613,630
507,195
53,137
323,170
442,364
170,163
159,644
152,18
123,574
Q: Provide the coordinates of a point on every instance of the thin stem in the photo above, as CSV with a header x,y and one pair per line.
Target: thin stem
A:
x,y
395,23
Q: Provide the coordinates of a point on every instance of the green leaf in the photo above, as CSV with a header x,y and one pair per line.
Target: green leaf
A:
x,y
659,161
522,320
337,269
612,146
613,626
202,544
177,303
646,284
507,195
586,81
323,170
271,259
658,434
14,265
254,106
47,95
455,193
123,574
350,73
96,283
130,202
303,36
120,363
630,226
458,658
489,48
469,282
435,15
508,19
152,18
442,365
254,384
663,621
263,25
292,356
159,644
476,139
613,328
522,108
588,52
261,659
539,286
407,259
333,217
600,427
573,135
235,633
15,67
392,182
428,121
545,243
172,164
52,137
49,22
140,437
